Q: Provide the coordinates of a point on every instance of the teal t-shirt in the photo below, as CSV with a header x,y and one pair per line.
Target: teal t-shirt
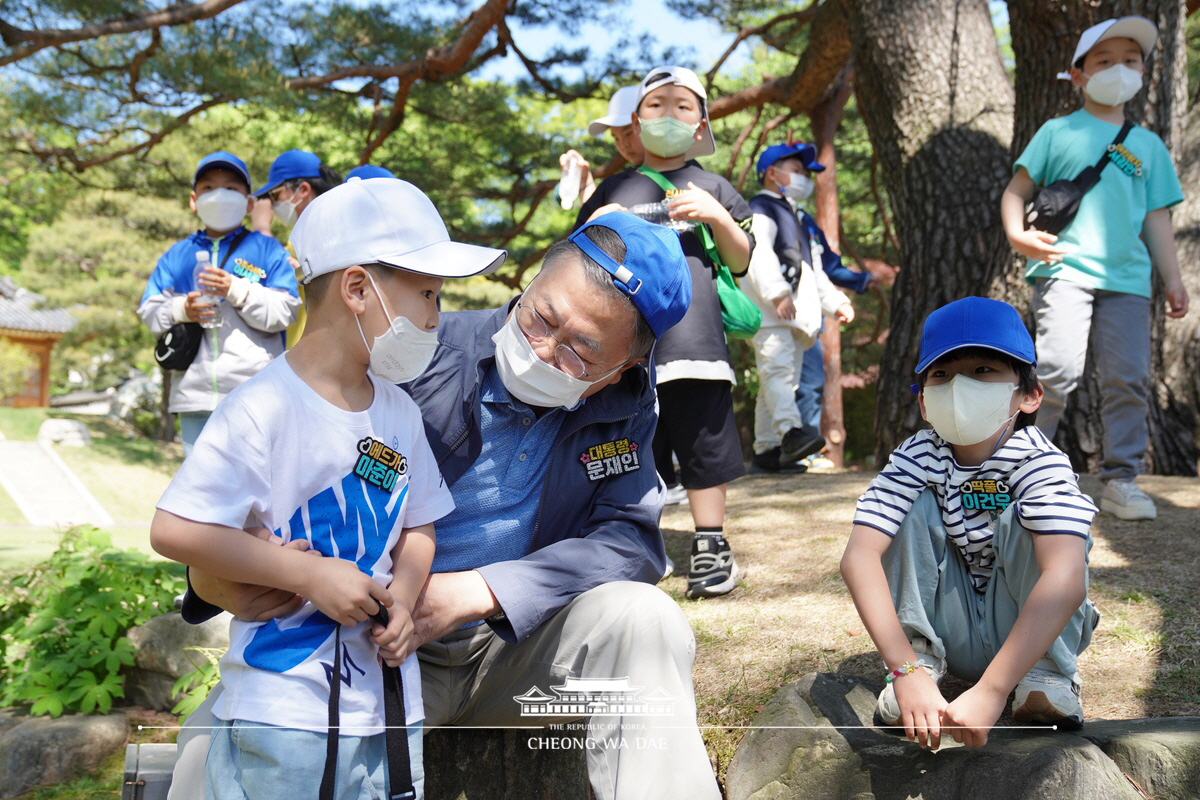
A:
x,y
1104,240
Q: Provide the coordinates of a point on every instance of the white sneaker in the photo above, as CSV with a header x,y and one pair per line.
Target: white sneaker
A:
x,y
675,495
1048,697
887,709
1125,500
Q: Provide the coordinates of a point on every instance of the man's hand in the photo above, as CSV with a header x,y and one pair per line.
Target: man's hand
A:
x,y
971,716
449,601
249,601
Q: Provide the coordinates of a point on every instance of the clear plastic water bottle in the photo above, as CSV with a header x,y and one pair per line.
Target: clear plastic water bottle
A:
x,y
659,214
568,184
207,296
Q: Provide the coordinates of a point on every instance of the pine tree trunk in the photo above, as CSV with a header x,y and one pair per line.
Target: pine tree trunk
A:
x,y
938,107
1044,38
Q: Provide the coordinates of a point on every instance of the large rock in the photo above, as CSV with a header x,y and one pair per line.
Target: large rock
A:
x,y
41,750
163,656
65,432
814,740
466,764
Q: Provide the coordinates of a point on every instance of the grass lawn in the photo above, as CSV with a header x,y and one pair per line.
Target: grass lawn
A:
x,y
126,476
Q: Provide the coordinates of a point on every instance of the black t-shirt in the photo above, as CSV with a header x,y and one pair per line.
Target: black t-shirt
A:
x,y
699,336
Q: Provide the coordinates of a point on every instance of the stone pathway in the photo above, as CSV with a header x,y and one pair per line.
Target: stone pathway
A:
x,y
45,489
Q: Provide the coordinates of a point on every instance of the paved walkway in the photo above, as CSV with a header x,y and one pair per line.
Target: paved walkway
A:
x,y
45,489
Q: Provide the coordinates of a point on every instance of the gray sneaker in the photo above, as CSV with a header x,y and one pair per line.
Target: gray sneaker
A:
x,y
1125,500
887,710
1048,697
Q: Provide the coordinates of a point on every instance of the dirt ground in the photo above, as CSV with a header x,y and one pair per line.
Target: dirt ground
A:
x,y
792,615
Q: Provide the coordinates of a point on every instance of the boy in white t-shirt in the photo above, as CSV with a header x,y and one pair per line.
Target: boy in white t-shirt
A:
x,y
322,449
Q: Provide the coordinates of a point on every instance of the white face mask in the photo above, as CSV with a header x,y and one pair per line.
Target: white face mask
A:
x,y
1113,86
799,187
286,211
221,210
527,377
403,351
965,411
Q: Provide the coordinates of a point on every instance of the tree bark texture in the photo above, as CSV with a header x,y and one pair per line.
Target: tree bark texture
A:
x,y
1044,38
938,107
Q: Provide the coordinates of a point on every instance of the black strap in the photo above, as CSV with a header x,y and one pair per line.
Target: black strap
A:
x,y
233,243
400,782
1091,176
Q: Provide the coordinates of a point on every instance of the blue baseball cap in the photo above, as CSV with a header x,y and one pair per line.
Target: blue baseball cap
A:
x,y
655,274
975,322
369,171
222,160
289,165
776,152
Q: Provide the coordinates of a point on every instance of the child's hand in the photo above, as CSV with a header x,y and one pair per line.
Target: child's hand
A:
x,y
844,314
398,640
697,205
217,281
921,706
343,592
971,716
1177,300
785,307
198,310
1037,245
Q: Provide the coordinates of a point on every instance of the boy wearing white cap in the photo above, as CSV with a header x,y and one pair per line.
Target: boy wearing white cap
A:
x,y
622,107
694,377
360,487
1094,276
969,550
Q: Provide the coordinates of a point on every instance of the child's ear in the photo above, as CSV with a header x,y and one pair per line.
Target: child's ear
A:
x,y
702,128
1078,79
192,201
921,404
1032,401
353,287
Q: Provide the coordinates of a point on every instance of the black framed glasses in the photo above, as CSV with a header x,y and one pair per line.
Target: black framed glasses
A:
x,y
534,325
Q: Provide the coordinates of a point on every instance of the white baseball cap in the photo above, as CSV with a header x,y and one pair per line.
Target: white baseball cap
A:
x,y
682,76
621,107
383,221
1140,29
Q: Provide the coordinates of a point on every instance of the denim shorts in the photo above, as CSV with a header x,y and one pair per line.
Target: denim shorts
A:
x,y
253,761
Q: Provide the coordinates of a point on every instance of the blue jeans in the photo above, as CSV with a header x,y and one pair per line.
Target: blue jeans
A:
x,y
810,389
190,425
249,760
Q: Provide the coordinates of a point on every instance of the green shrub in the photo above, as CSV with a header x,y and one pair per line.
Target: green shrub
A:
x,y
63,623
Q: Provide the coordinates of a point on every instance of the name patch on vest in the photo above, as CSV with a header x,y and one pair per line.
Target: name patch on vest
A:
x,y
610,459
378,464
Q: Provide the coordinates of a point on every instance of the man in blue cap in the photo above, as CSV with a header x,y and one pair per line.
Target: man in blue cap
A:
x,y
541,416
969,550
783,438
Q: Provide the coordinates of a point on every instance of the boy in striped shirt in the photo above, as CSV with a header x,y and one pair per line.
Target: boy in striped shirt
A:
x,y
969,550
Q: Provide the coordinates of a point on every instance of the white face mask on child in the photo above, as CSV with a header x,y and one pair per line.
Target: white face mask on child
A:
x,y
799,187
403,351
1113,86
221,210
965,411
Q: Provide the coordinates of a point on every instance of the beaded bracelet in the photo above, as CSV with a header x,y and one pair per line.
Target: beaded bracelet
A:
x,y
905,669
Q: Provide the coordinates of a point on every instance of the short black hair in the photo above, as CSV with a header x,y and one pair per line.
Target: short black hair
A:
x,y
320,184
1027,379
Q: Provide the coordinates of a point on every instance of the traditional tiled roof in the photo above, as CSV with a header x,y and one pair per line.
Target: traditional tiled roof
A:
x,y
19,311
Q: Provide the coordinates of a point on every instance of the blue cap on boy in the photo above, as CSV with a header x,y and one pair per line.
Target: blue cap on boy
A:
x,y
655,274
806,152
222,160
975,322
